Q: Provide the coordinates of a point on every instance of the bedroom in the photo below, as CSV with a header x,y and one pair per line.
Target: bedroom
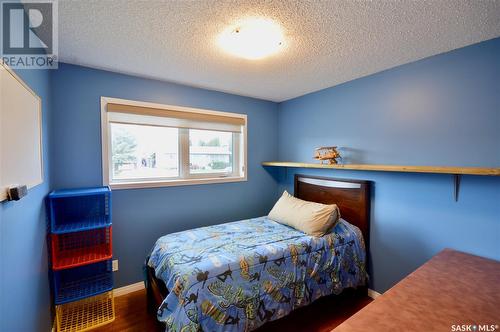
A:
x,y
201,114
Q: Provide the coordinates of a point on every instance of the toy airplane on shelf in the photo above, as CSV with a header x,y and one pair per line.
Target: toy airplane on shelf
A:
x,y
328,153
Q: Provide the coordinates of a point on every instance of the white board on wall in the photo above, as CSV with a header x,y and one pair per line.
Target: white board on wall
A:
x,y
20,133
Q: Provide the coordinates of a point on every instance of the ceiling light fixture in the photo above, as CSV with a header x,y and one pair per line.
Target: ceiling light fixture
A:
x,y
252,38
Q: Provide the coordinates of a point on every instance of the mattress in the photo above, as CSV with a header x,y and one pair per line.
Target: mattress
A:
x,y
239,275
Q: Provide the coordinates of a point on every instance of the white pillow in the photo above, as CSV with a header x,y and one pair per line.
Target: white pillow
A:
x,y
312,218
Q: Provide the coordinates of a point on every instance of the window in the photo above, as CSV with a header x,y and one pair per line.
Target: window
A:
x,y
152,145
210,152
143,152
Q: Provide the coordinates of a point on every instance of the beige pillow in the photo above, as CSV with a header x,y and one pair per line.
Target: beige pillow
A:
x,y
312,218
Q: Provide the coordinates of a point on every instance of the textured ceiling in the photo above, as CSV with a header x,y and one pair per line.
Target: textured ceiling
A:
x,y
327,42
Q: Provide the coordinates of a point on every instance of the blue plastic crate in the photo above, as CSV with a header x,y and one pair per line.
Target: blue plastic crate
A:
x,y
74,210
81,282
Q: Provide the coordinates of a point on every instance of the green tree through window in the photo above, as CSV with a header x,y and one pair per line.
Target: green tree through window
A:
x,y
124,145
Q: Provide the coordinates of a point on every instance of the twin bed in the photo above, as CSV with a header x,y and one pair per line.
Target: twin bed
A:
x,y
239,275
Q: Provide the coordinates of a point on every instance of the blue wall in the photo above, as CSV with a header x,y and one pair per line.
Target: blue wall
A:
x,y
443,110
24,287
141,216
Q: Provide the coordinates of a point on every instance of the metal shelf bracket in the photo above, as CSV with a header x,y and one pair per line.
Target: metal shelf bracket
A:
x,y
456,184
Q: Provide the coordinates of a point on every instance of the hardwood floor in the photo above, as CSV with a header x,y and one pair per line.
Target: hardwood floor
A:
x,y
321,316
131,314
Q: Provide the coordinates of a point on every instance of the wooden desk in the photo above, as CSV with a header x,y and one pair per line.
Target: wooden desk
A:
x,y
453,288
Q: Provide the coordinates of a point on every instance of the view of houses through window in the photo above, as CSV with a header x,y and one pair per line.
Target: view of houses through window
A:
x,y
210,151
153,152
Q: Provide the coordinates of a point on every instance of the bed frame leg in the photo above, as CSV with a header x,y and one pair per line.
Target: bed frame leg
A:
x,y
150,300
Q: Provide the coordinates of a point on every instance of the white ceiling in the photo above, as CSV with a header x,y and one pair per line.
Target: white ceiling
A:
x,y
327,42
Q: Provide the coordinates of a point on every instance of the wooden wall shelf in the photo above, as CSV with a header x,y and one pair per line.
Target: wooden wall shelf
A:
x,y
392,168
457,172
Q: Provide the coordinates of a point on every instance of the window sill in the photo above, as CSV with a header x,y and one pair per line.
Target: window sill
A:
x,y
172,183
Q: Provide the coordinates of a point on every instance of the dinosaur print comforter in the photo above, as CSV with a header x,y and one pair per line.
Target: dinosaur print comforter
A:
x,y
239,275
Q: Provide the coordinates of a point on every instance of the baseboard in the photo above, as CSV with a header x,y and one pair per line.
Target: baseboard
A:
x,y
373,294
128,289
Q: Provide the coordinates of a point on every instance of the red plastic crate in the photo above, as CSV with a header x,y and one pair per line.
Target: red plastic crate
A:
x,y
80,248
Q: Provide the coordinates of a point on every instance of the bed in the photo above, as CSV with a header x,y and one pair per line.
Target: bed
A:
x,y
238,276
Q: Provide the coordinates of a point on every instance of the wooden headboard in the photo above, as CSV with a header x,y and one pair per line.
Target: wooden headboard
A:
x,y
351,196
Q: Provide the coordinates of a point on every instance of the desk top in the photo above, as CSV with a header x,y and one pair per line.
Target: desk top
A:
x,y
453,288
